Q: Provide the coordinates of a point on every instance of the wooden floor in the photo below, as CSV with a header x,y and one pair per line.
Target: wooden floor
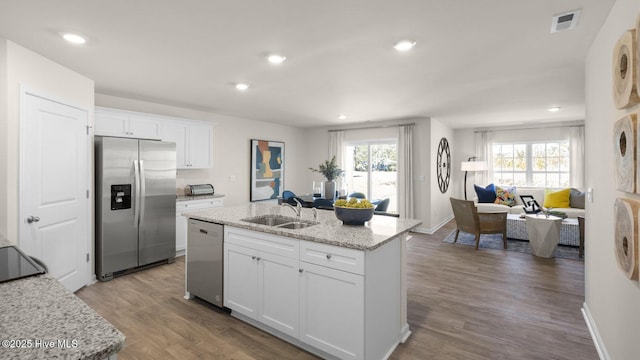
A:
x,y
463,304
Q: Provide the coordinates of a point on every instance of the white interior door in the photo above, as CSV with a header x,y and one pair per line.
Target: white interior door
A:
x,y
54,205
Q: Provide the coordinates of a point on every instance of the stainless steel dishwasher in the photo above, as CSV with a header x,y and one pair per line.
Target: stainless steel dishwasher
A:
x,y
204,261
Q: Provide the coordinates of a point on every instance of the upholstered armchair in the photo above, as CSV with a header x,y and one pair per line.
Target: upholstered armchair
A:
x,y
469,220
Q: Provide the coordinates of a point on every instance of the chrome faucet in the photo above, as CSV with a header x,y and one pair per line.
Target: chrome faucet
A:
x,y
297,209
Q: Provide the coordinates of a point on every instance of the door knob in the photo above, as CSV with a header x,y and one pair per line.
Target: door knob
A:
x,y
32,219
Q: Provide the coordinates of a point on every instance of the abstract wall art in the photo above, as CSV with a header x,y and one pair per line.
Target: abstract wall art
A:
x,y
267,169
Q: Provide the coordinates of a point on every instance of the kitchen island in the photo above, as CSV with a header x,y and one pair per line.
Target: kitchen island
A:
x,y
337,291
40,319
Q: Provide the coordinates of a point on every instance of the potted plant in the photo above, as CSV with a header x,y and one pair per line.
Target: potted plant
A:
x,y
331,171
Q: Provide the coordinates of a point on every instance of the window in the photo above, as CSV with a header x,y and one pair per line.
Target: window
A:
x,y
536,164
371,168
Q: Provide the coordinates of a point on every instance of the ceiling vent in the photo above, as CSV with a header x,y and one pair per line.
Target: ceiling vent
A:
x,y
565,21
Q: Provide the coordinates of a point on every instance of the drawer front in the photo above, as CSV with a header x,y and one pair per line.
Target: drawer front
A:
x,y
272,244
190,205
334,257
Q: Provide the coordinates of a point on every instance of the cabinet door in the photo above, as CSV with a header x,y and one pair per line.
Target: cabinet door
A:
x,y
144,127
279,292
181,233
241,280
181,221
332,311
177,132
200,146
111,123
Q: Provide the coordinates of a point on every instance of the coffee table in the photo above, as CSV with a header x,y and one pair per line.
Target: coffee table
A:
x,y
569,230
544,234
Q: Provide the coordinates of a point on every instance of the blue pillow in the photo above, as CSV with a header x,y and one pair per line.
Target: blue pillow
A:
x,y
486,195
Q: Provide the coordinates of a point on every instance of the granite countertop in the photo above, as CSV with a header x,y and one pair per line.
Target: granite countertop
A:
x,y
374,233
43,320
197,197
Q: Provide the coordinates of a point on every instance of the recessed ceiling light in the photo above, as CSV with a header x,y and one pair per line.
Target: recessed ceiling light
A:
x,y
404,45
242,86
342,117
276,59
553,109
74,38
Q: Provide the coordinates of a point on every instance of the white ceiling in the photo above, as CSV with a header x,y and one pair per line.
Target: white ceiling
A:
x,y
476,63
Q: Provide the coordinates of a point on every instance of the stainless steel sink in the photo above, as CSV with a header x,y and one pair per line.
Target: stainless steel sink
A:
x,y
295,225
280,221
270,220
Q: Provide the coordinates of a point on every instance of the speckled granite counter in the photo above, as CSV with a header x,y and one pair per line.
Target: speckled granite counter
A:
x,y
40,319
330,230
197,197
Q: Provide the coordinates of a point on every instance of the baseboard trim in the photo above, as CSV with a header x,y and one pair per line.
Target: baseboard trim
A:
x,y
595,334
430,231
405,332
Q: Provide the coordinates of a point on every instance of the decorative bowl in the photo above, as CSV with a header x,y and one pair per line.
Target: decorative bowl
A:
x,y
353,216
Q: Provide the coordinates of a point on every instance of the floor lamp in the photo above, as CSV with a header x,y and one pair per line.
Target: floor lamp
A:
x,y
472,165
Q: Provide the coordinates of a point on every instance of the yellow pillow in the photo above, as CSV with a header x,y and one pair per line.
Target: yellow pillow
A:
x,y
557,199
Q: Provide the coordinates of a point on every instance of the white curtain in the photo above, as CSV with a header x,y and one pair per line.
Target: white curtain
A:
x,y
576,147
484,142
336,147
405,171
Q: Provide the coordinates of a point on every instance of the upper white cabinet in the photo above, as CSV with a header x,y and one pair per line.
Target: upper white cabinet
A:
x,y
194,143
112,122
194,139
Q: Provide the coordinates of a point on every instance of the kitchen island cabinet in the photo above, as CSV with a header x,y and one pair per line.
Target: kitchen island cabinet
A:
x,y
336,291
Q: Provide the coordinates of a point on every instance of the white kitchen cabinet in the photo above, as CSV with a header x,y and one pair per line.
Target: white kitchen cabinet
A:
x,y
200,148
194,143
333,301
194,139
241,280
332,311
145,127
278,292
121,123
259,284
181,221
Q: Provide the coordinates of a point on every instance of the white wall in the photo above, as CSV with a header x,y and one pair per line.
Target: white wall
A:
x,y
231,156
43,76
440,206
3,137
612,300
464,149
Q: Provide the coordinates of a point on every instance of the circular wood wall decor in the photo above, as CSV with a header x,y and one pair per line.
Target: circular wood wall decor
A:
x,y
625,71
624,144
626,236
443,167
637,53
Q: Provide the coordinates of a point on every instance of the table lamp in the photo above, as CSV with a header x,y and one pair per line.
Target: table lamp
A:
x,y
472,165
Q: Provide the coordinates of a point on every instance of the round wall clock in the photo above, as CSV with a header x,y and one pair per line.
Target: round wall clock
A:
x,y
443,167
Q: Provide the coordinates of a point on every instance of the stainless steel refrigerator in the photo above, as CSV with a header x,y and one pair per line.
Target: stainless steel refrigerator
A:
x,y
135,204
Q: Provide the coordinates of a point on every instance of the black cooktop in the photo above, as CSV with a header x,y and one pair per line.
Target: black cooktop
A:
x,y
14,264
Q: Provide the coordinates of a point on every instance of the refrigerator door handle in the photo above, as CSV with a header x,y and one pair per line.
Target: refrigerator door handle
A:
x,y
136,207
143,192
